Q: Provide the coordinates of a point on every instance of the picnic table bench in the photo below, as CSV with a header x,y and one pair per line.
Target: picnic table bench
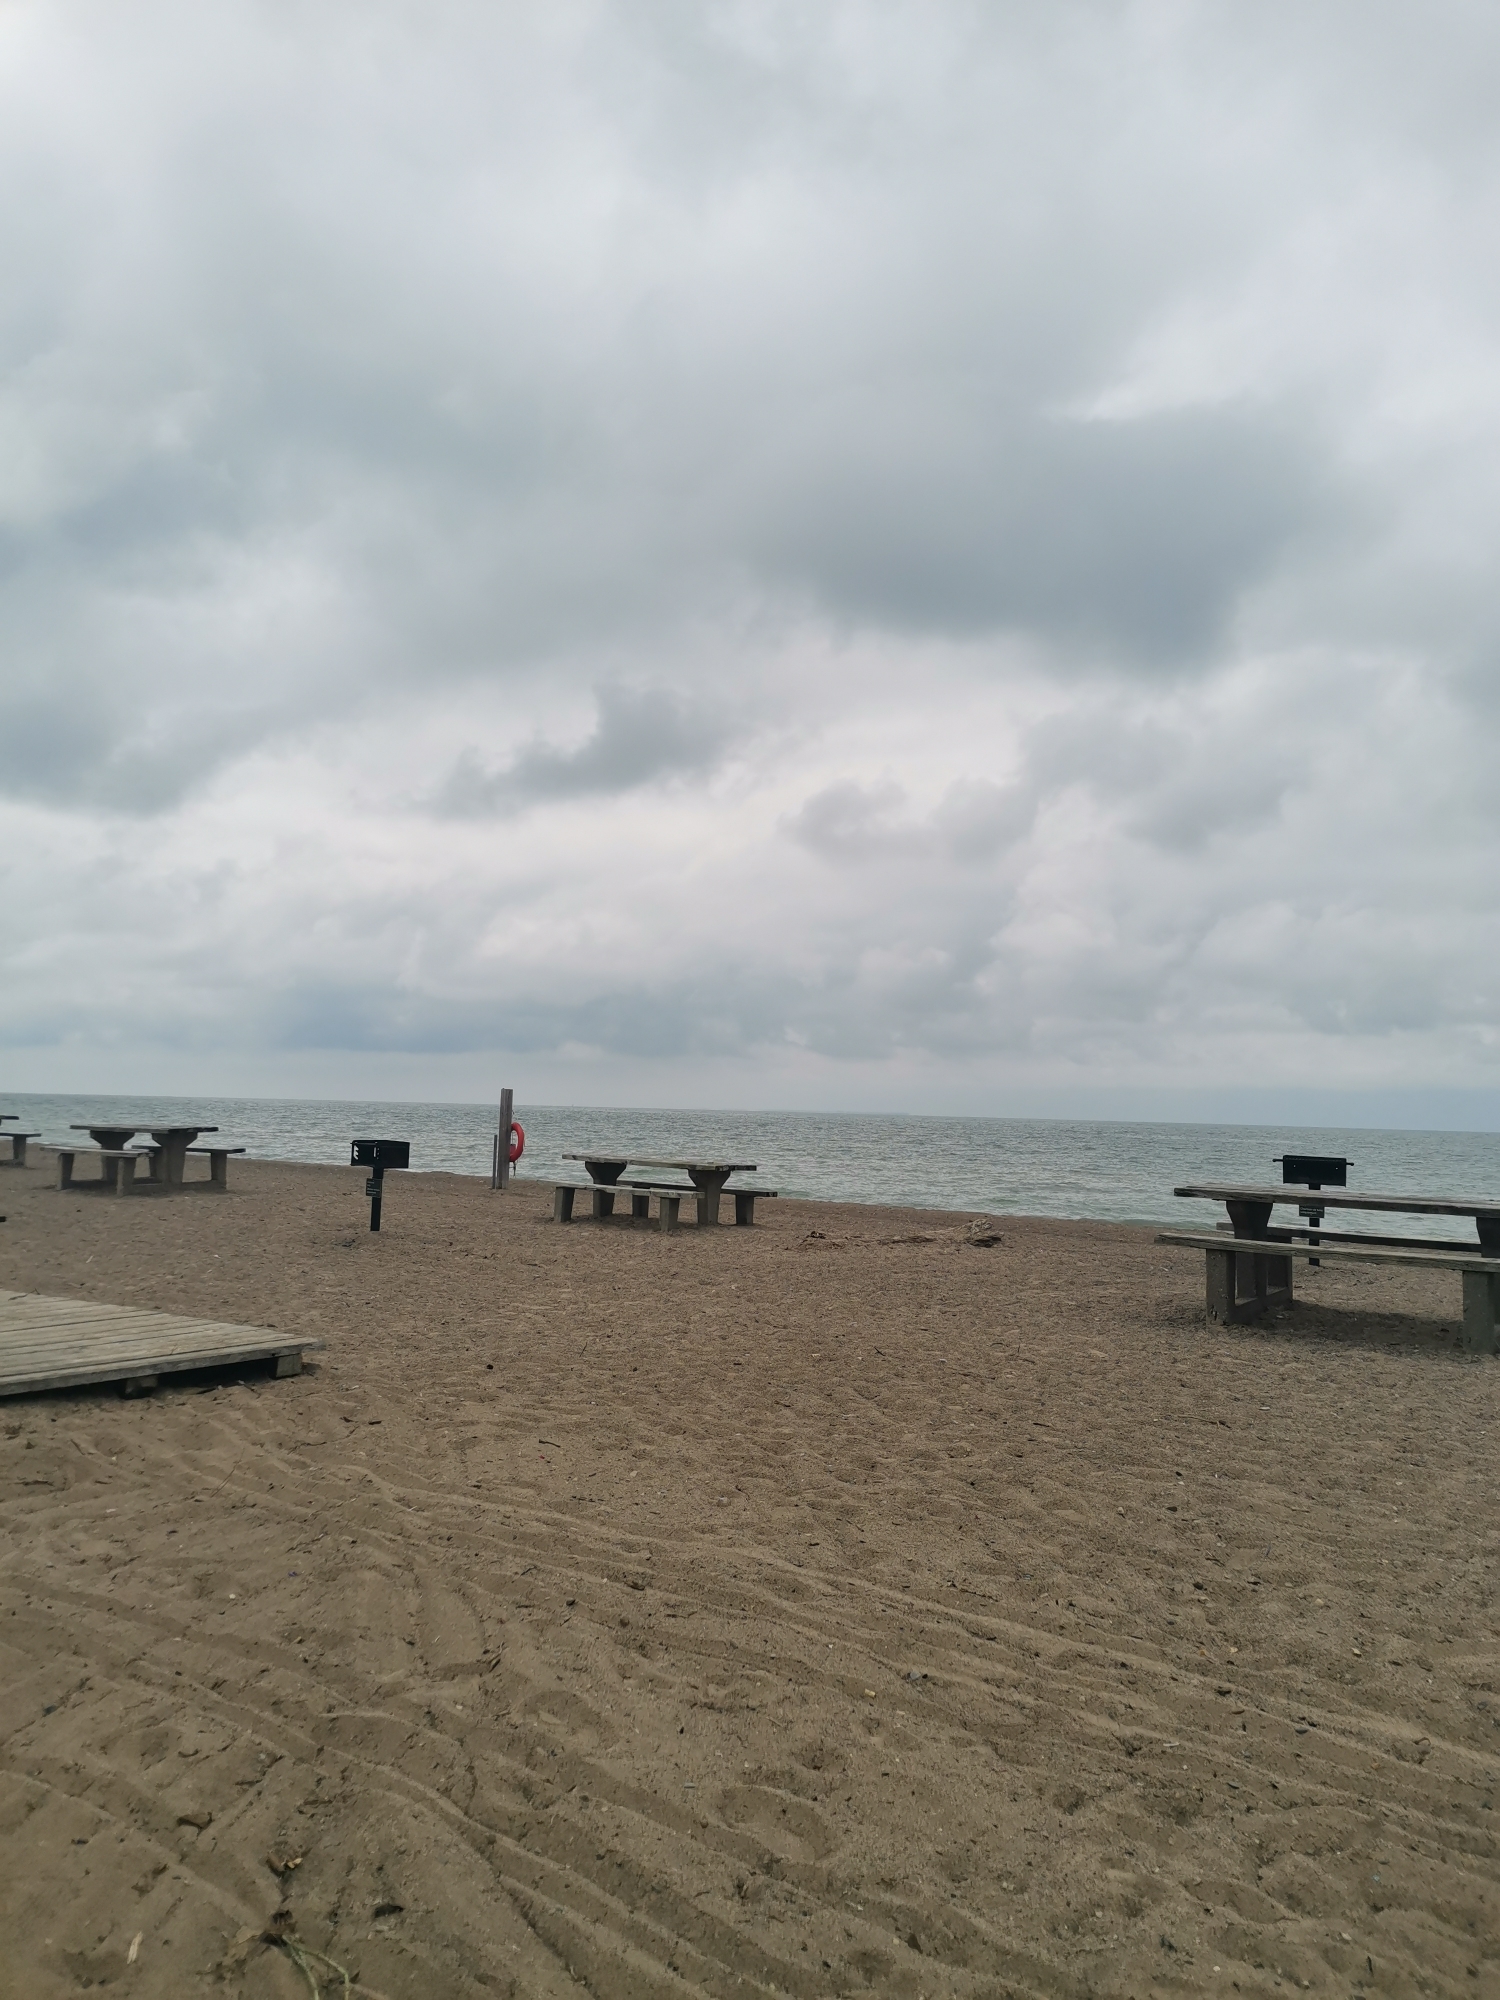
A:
x,y
218,1162
1249,1261
164,1162
169,1142
706,1179
116,1169
669,1199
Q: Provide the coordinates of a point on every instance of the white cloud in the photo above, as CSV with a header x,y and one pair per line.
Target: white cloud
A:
x,y
779,547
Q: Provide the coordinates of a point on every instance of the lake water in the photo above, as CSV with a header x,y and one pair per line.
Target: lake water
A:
x,y
1020,1166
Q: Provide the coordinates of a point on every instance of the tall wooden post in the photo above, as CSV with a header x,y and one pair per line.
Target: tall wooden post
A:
x,y
500,1177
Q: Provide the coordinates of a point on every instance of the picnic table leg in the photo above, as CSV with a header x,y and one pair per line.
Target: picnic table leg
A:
x,y
1221,1285
111,1138
1480,1300
668,1205
1249,1218
153,1163
1255,1281
125,1178
562,1204
1278,1281
744,1210
1243,1283
640,1206
218,1168
710,1187
602,1203
64,1169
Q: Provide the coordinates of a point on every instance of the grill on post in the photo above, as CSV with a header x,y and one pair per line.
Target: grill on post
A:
x,y
1313,1171
377,1155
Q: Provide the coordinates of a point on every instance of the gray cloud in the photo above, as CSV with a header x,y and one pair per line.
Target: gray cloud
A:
x,y
871,824
847,821
1183,780
1133,538
1017,482
642,736
339,403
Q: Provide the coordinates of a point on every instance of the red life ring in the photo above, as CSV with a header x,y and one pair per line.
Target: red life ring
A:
x,y
516,1145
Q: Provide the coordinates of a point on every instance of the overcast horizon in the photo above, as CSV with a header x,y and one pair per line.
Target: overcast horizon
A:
x,y
889,557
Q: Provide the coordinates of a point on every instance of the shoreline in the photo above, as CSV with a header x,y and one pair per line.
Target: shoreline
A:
x,y
1101,1171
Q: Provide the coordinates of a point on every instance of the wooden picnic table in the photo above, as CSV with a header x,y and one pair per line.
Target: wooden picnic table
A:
x,y
17,1139
707,1176
171,1142
1249,1265
1250,1207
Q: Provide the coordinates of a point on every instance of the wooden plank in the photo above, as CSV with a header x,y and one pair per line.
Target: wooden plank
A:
x,y
49,1343
97,1331
1279,1232
154,1354
682,1166
158,1340
20,1322
127,1327
83,1376
79,1373
57,1312
109,1340
1402,1204
1457,1259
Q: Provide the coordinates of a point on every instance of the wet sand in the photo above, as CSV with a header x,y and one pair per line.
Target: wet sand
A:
x,y
832,1607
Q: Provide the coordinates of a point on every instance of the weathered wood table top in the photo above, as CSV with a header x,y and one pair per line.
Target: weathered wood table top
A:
x,y
607,1167
639,1160
1401,1204
1250,1206
172,1142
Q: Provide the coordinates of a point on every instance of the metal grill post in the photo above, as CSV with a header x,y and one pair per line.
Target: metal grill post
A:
x,y
1313,1171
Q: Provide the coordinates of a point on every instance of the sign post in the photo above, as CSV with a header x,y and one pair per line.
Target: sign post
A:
x,y
510,1142
1313,1171
377,1155
500,1177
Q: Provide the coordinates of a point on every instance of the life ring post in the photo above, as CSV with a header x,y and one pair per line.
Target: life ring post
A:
x,y
509,1142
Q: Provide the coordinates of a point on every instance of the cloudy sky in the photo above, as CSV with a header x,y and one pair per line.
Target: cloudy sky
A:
x,y
909,556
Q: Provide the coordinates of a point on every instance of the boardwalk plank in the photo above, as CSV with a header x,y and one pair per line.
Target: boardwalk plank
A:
x,y
49,1343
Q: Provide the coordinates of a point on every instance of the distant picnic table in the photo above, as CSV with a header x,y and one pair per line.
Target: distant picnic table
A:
x,y
166,1158
1249,1263
706,1179
17,1139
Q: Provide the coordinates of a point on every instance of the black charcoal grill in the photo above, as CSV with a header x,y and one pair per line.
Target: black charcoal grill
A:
x,y
1313,1171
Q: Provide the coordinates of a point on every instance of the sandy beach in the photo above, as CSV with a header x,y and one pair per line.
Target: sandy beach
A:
x,y
833,1607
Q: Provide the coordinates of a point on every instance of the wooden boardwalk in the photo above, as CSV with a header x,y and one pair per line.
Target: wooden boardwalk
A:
x,y
64,1343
